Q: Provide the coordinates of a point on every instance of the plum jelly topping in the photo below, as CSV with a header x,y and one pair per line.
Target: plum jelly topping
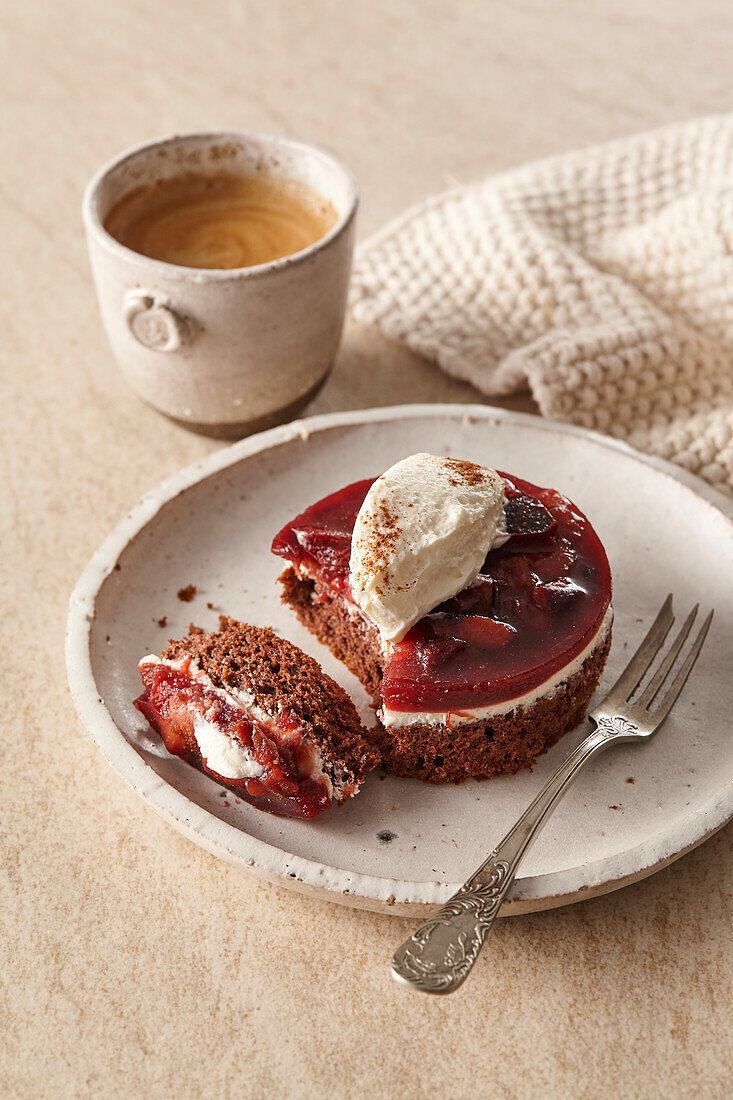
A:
x,y
536,604
171,700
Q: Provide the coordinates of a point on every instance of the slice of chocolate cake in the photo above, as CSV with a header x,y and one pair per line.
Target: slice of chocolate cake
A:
x,y
252,710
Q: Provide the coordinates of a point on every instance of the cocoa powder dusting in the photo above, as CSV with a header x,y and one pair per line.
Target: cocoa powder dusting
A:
x,y
379,538
464,472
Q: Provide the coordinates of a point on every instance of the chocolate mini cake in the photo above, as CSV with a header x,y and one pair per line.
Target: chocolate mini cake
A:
x,y
494,674
252,710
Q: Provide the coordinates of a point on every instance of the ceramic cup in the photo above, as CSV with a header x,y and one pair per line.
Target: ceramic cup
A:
x,y
223,352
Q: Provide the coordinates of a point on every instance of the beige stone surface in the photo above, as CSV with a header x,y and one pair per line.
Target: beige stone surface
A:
x,y
131,962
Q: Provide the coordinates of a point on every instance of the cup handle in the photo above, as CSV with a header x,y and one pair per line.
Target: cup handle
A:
x,y
153,322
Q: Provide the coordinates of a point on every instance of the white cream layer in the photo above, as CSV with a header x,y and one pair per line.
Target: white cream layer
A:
x,y
399,718
225,755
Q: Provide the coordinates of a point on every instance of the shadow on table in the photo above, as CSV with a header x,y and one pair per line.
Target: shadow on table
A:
x,y
371,371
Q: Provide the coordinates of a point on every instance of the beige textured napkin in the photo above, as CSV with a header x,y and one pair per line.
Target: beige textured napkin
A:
x,y
602,280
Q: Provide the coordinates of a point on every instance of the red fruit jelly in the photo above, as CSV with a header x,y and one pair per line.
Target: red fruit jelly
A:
x,y
536,604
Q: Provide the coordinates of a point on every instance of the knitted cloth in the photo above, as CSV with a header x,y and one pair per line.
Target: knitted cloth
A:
x,y
602,280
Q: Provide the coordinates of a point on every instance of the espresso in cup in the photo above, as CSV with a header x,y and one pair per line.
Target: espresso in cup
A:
x,y
221,263
222,220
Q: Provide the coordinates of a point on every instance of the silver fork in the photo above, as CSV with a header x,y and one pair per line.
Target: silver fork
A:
x,y
439,956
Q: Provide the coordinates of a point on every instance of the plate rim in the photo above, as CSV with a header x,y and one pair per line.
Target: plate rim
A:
x,y
235,845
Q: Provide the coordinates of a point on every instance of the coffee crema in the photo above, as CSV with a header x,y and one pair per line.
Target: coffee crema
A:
x,y
220,221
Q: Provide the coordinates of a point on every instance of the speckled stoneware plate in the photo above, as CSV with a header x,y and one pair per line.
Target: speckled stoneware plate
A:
x,y
400,845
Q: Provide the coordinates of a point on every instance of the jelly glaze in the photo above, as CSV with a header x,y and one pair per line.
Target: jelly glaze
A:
x,y
537,602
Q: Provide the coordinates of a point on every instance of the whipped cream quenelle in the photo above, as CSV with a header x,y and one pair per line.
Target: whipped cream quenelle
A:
x,y
421,535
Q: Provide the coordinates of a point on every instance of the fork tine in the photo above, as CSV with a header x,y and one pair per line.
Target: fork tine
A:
x,y
652,689
661,712
631,677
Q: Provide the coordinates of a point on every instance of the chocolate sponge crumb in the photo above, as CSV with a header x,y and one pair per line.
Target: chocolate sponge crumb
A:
x,y
187,594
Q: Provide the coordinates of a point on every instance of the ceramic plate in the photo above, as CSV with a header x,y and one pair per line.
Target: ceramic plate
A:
x,y
401,845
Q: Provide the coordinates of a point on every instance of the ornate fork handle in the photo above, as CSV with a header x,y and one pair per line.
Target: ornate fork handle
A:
x,y
439,956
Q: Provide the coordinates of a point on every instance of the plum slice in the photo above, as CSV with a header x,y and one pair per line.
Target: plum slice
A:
x,y
524,515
